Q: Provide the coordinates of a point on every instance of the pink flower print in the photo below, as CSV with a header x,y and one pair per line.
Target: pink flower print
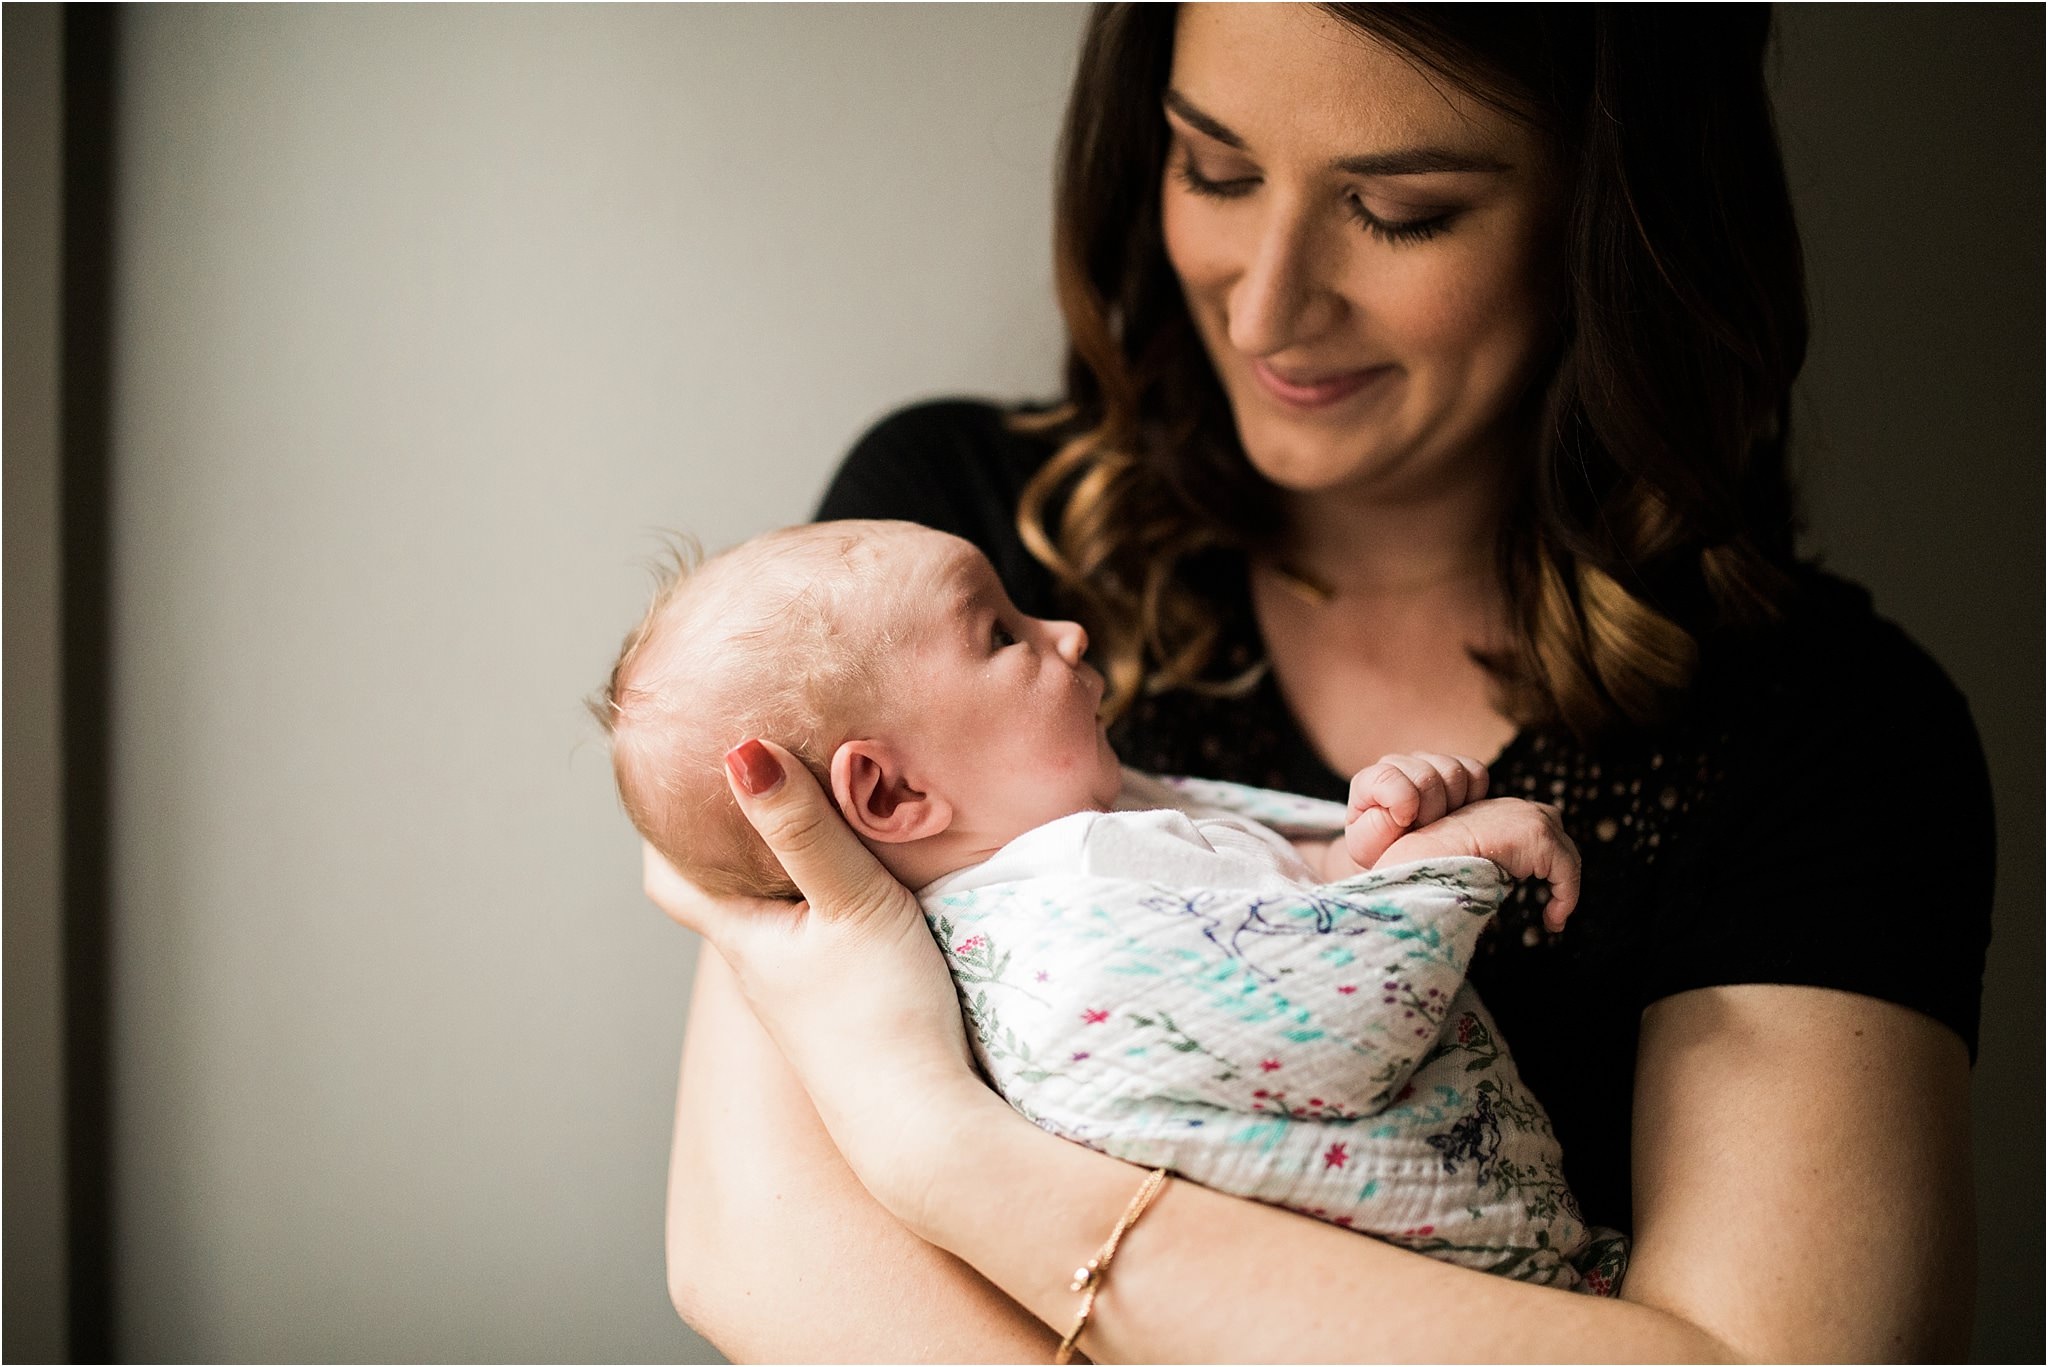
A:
x,y
1420,1230
1597,1283
970,944
1335,1156
1465,1028
1344,1220
1080,1054
1041,976
1269,1065
1348,988
1404,1094
1094,1017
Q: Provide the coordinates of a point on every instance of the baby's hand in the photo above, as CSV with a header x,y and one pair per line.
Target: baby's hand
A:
x,y
1404,793
1525,838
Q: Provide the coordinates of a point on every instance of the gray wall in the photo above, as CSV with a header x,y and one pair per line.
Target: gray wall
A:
x,y
34,1236
426,316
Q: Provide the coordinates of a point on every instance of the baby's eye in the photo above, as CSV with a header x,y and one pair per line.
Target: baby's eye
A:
x,y
1000,637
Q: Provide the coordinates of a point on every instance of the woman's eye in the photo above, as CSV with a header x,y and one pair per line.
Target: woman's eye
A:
x,y
1185,172
1001,637
1398,230
1386,229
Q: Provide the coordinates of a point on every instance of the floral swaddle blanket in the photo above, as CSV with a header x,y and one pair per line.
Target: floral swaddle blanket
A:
x,y
1171,987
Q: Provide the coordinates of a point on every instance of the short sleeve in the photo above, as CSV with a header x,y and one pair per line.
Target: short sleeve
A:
x,y
958,466
1848,838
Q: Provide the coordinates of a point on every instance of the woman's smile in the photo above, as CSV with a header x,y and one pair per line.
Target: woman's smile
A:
x,y
1309,390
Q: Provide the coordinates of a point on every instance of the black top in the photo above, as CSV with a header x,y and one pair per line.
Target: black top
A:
x,y
1820,814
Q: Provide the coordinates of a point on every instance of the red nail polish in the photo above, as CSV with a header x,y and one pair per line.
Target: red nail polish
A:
x,y
753,768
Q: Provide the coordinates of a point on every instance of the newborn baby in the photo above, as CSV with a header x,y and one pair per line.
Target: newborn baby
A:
x,y
1145,967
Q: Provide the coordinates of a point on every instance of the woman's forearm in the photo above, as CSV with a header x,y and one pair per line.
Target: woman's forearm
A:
x,y
1208,1277
795,1261
1800,1175
1801,1194
775,1250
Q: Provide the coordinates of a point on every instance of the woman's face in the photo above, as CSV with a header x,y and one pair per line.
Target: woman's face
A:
x,y
1367,252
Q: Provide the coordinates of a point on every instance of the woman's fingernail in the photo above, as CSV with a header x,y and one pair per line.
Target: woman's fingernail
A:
x,y
753,768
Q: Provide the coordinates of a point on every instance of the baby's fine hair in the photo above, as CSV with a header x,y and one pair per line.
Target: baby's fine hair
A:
x,y
775,638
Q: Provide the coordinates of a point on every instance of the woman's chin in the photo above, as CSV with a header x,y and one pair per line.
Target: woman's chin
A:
x,y
1308,467
1301,456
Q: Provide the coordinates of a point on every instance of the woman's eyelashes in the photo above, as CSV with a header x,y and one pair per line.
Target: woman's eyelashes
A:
x,y
1000,636
1390,230
1402,230
1194,180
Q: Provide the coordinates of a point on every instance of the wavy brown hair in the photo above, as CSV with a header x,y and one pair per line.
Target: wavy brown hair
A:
x,y
1654,505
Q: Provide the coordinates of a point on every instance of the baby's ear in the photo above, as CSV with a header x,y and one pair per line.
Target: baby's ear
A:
x,y
869,786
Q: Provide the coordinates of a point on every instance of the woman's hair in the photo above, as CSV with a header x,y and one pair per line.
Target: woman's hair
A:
x,y
1654,503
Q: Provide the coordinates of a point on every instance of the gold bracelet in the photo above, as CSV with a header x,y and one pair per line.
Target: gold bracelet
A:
x,y
1088,1278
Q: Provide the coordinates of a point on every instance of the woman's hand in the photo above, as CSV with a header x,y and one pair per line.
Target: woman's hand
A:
x,y
760,1195
848,982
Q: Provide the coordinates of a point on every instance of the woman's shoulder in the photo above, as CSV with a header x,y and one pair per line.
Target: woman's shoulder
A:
x,y
959,465
957,451
1832,664
1836,704
1838,770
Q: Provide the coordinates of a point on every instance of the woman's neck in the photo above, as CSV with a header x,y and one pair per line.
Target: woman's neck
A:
x,y
1359,548
1369,631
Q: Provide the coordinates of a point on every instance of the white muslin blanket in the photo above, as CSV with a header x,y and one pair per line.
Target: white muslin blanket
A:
x,y
1171,986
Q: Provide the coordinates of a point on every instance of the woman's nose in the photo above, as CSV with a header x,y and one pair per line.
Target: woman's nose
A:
x,y
1069,640
1280,299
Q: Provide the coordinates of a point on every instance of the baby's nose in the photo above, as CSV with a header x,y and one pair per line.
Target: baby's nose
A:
x,y
1070,639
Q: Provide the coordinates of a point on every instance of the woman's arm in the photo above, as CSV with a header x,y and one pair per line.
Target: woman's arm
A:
x,y
1802,1183
1802,1193
775,1250
1802,1174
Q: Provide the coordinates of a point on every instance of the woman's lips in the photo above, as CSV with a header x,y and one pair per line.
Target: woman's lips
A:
x,y
1317,391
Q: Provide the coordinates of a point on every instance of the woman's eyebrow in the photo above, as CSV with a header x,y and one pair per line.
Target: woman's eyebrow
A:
x,y
1406,161
1199,121
1418,161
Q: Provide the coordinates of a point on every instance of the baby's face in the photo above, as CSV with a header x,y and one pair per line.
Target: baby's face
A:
x,y
998,711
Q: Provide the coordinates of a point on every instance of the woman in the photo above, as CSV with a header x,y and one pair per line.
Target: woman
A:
x,y
1428,392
